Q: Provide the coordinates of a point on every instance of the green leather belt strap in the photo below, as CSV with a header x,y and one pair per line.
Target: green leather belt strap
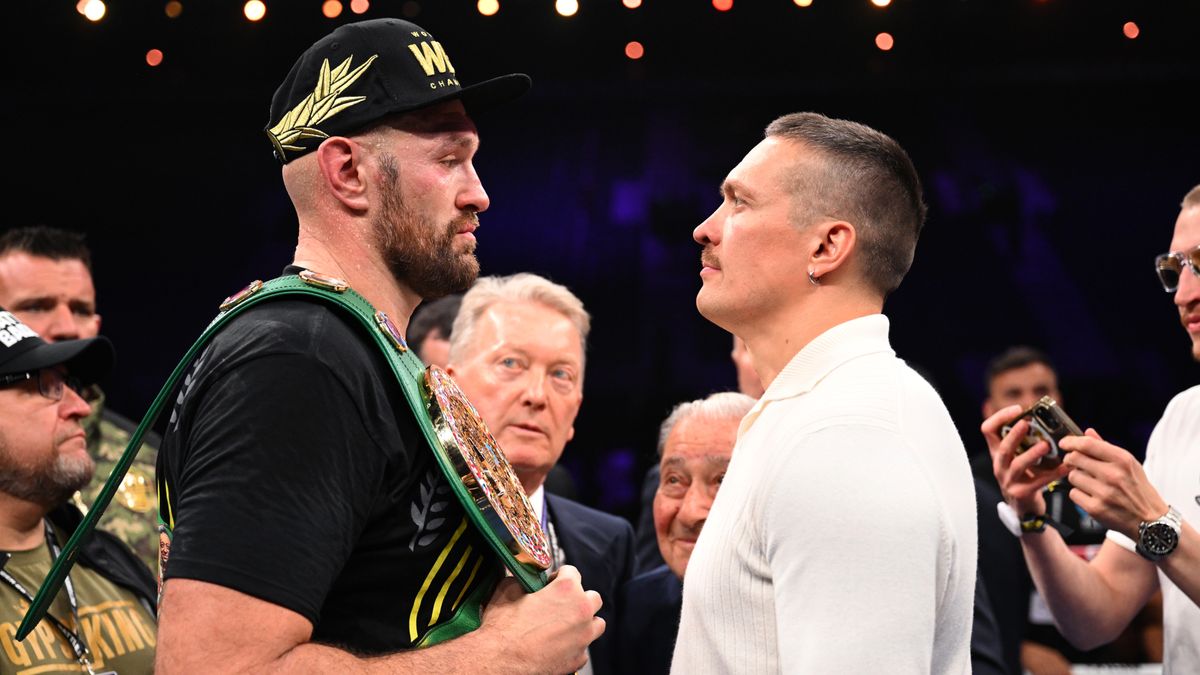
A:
x,y
409,372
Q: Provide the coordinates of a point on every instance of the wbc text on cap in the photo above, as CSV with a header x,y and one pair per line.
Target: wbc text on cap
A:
x,y
363,72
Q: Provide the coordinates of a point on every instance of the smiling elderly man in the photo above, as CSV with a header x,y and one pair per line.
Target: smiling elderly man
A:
x,y
517,351
695,444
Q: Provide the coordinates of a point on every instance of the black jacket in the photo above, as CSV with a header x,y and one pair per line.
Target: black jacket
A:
x,y
109,556
600,545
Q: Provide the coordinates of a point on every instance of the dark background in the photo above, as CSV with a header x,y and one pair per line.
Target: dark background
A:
x,y
1054,153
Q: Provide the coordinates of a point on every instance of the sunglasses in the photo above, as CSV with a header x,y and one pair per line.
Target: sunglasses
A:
x,y
1170,265
50,382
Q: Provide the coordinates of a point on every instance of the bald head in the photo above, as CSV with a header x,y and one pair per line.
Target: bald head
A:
x,y
300,179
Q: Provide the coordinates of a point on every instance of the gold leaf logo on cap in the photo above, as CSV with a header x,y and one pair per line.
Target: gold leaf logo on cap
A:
x,y
324,102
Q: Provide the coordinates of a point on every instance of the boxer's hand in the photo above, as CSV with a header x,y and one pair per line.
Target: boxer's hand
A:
x,y
1110,484
543,632
1021,481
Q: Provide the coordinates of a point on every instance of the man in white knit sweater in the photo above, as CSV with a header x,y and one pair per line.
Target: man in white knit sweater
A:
x,y
843,538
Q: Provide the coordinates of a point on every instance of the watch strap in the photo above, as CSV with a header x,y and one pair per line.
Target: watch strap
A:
x,y
1035,523
1173,519
1029,523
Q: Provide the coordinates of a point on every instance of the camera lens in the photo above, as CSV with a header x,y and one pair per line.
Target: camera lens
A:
x,y
1048,419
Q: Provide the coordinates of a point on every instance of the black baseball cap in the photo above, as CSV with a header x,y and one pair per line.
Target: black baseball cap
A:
x,y
365,71
21,350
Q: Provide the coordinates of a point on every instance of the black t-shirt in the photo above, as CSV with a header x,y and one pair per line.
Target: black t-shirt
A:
x,y
293,470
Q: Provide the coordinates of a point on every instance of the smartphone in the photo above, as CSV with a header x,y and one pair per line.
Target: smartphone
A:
x,y
1047,422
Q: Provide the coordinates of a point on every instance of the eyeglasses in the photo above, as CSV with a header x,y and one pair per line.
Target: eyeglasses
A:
x,y
50,382
1170,265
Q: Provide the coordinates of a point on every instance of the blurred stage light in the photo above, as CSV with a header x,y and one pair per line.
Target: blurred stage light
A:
x,y
723,5
331,8
632,4
634,50
488,7
1131,30
154,57
881,3
803,3
254,10
884,41
94,10
566,7
173,9
359,6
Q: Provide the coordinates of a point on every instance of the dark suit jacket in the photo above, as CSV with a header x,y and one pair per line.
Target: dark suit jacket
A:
x,y
649,557
601,546
1003,573
648,622
987,648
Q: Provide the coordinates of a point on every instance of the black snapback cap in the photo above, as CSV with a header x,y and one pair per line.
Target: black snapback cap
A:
x,y
21,350
365,71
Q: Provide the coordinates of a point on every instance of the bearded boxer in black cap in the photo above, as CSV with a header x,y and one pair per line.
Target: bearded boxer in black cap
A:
x,y
43,461
309,526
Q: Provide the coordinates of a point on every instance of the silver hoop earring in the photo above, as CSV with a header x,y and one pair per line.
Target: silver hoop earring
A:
x,y
812,279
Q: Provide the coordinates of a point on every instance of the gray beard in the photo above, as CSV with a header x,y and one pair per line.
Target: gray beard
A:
x,y
46,485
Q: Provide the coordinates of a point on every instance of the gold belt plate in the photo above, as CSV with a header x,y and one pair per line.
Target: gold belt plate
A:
x,y
485,471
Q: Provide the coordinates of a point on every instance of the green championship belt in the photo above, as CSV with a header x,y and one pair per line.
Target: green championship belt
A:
x,y
469,457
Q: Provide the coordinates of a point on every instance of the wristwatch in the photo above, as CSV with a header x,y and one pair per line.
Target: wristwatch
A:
x,y
1158,538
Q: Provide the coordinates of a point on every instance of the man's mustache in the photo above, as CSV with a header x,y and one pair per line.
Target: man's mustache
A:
x,y
468,217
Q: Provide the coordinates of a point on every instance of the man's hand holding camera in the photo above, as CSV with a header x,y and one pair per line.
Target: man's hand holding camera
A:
x,y
1020,477
1107,482
1110,484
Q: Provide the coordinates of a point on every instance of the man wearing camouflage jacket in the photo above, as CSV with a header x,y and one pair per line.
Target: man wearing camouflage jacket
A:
x,y
46,282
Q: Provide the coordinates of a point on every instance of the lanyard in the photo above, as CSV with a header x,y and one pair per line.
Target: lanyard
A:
x,y
74,639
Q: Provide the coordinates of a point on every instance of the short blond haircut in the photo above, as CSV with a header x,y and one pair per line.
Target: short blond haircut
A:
x,y
523,287
1192,198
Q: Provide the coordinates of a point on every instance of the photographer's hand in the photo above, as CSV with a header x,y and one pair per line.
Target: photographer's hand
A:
x,y
1091,602
1110,484
1021,481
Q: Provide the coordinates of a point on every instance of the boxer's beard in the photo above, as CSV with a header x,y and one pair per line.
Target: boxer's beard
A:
x,y
420,253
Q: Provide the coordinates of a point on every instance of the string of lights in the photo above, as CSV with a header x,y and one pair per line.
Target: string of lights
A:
x,y
257,10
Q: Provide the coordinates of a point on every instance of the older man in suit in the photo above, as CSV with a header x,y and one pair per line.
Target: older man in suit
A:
x,y
694,446
517,351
